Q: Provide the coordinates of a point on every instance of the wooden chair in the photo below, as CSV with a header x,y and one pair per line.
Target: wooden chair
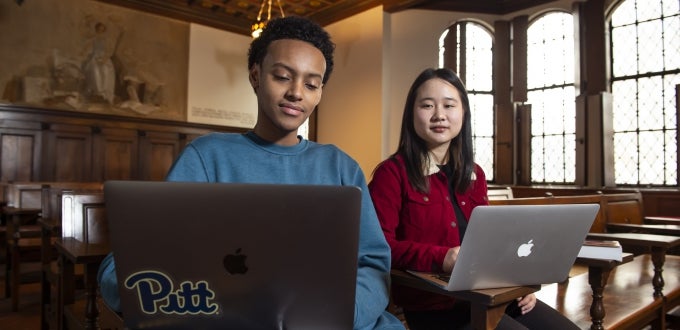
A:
x,y
3,222
23,233
84,242
24,241
51,229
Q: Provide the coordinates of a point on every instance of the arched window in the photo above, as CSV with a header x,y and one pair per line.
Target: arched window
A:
x,y
645,67
551,93
469,53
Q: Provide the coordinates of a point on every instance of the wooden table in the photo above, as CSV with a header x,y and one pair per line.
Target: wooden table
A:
x,y
487,305
656,220
658,229
627,296
72,252
659,245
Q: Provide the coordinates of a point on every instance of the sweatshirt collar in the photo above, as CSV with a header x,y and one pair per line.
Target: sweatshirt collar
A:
x,y
275,148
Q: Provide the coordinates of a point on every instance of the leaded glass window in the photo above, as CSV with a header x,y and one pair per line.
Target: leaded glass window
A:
x,y
645,43
551,93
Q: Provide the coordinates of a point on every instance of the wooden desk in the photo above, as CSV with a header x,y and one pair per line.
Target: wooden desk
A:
x,y
627,296
72,252
657,229
487,306
654,220
659,245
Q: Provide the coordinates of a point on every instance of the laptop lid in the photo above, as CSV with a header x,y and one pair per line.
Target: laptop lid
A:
x,y
509,245
234,256
512,245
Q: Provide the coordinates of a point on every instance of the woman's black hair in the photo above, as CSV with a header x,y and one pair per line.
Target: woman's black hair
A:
x,y
414,150
296,28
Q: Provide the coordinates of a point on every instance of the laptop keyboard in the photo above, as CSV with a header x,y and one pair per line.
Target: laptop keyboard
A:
x,y
443,277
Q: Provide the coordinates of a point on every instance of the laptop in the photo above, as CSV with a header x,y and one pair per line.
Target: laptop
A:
x,y
513,245
234,256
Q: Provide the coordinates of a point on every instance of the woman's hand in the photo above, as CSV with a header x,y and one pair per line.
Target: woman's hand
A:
x,y
527,303
450,259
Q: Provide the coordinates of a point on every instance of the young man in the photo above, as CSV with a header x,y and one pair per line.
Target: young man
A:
x,y
289,64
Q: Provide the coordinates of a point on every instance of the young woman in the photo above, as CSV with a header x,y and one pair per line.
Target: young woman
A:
x,y
425,192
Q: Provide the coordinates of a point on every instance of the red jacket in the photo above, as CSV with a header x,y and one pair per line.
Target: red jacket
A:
x,y
420,228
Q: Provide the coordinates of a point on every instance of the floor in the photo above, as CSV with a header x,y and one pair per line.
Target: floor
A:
x,y
28,316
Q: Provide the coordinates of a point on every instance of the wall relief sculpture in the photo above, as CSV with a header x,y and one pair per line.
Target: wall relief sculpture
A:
x,y
81,55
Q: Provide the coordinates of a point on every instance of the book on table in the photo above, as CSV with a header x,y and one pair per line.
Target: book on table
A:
x,y
601,249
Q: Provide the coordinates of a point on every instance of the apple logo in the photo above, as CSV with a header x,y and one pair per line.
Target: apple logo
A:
x,y
235,263
525,249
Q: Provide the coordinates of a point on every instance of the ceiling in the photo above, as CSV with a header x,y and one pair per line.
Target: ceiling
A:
x,y
238,15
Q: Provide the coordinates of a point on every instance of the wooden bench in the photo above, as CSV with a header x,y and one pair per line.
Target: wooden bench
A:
x,y
625,214
598,276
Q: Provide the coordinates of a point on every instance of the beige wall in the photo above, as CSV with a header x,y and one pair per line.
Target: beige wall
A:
x,y
351,107
218,88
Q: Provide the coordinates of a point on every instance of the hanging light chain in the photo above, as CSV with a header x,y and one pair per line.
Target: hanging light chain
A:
x,y
257,27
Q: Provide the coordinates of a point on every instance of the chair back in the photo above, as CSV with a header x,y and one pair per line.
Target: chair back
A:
x,y
84,217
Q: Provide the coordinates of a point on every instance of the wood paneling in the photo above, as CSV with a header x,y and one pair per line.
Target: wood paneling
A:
x,y
505,132
523,120
55,145
519,58
21,146
157,152
68,156
116,156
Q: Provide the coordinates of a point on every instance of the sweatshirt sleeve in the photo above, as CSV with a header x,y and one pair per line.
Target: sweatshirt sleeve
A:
x,y
189,166
108,283
373,272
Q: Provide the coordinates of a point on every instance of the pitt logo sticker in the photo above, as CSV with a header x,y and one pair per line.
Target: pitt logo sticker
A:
x,y
156,293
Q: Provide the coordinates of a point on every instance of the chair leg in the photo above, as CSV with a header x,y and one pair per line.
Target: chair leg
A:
x,y
8,269
65,289
45,300
15,278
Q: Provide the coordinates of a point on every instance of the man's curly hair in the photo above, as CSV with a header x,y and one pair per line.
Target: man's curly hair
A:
x,y
297,28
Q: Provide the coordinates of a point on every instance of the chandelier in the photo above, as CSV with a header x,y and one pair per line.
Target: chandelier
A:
x,y
257,27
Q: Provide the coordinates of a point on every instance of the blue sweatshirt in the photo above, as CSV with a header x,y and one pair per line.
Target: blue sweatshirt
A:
x,y
246,158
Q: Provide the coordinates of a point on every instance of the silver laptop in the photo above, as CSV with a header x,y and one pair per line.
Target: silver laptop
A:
x,y
234,256
511,245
